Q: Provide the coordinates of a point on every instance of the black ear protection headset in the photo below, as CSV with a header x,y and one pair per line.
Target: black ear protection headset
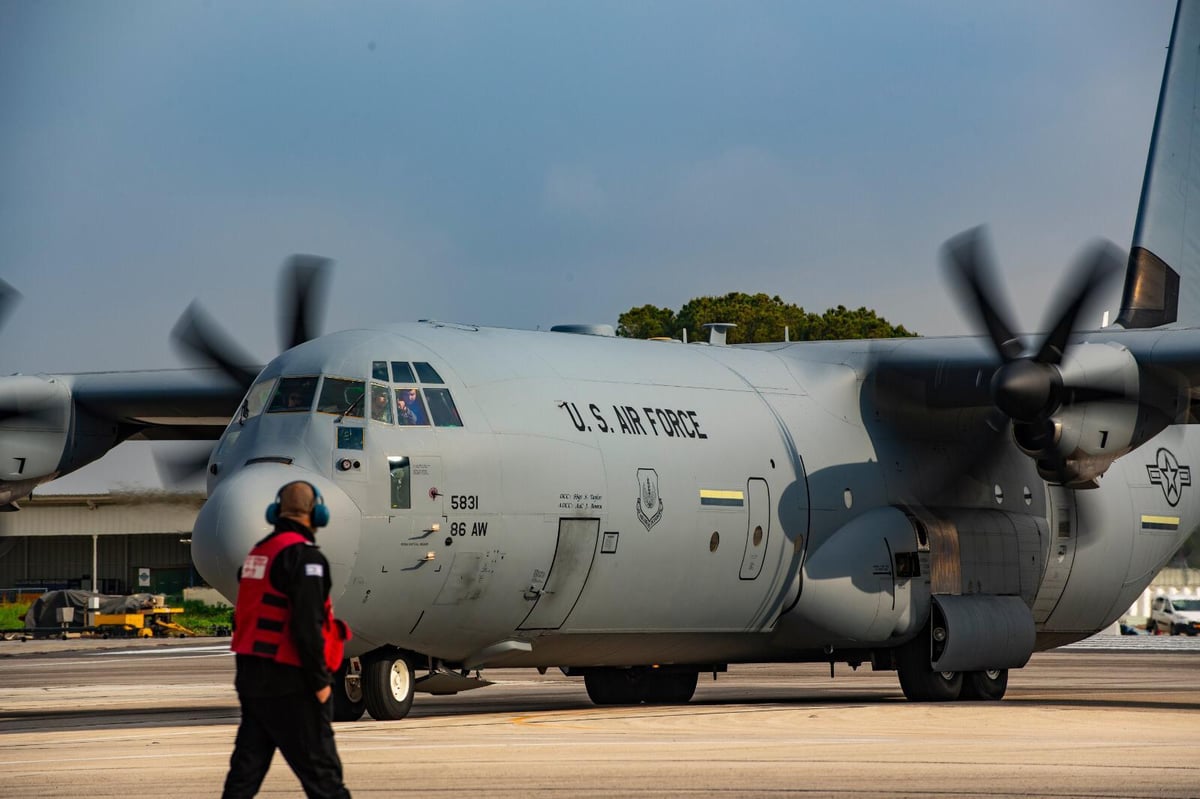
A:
x,y
320,512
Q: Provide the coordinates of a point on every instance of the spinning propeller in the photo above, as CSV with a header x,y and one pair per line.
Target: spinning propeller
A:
x,y
1028,388
200,339
302,287
28,406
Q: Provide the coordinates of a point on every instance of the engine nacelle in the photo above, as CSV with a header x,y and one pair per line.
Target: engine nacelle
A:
x,y
35,422
1101,417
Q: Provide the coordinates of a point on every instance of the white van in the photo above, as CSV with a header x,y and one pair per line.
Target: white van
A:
x,y
1175,615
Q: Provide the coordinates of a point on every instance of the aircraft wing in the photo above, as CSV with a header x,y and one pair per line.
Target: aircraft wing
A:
x,y
160,404
51,425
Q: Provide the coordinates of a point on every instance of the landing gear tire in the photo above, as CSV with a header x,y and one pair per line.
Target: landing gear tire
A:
x,y
614,686
985,685
670,687
388,685
348,701
918,680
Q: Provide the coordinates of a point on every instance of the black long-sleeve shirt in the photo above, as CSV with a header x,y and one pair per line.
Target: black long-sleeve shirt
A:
x,y
300,573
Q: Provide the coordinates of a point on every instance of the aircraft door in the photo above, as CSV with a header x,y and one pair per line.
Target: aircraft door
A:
x,y
758,527
562,585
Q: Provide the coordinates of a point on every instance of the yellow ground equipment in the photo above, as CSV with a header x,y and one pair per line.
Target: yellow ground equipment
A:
x,y
143,624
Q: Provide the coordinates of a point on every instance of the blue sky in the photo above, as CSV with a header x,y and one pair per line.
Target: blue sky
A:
x,y
524,164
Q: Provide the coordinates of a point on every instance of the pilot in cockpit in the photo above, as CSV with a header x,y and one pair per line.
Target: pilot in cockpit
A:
x,y
410,410
381,405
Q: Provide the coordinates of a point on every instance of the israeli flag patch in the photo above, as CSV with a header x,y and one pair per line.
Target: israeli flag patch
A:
x,y
314,570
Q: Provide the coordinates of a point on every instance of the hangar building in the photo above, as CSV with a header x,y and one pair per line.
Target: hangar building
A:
x,y
115,543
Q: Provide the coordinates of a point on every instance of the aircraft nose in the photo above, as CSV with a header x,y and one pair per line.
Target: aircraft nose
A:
x,y
233,520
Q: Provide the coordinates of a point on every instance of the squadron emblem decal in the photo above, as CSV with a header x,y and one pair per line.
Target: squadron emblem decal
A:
x,y
1167,474
649,502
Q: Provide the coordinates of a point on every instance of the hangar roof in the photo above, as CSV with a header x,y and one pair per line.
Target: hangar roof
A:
x,y
127,513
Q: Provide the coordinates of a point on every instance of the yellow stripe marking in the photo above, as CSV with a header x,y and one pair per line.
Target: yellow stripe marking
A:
x,y
1146,519
712,493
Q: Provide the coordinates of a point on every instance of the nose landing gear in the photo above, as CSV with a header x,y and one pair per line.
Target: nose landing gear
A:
x,y
348,702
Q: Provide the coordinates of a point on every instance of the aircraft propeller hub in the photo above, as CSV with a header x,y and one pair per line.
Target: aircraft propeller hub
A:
x,y
1027,390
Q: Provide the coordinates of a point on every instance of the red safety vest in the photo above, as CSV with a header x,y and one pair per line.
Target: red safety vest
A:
x,y
263,615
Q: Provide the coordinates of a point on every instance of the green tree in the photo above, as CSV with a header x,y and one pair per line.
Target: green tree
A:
x,y
648,321
759,318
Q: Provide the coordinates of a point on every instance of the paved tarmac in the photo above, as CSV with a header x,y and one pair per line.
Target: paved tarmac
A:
x,y
153,718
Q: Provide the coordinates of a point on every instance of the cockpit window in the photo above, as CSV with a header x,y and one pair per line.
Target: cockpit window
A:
x,y
402,372
410,408
441,407
381,403
427,373
256,399
343,397
293,394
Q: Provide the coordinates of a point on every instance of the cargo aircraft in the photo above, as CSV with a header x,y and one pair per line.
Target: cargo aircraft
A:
x,y
640,512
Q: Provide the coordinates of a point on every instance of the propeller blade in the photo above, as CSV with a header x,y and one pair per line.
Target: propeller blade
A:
x,y
179,467
1099,264
302,287
9,297
197,336
967,262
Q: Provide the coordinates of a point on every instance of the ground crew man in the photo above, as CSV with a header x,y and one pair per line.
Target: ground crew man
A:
x,y
288,647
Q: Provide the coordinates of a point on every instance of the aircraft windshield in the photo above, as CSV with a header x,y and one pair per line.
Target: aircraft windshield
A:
x,y
427,373
294,395
402,372
410,408
343,397
256,398
381,403
420,407
441,407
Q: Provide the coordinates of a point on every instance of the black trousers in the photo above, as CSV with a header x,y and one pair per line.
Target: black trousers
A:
x,y
301,728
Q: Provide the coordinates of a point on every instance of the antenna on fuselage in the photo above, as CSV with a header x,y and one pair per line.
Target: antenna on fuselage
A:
x,y
717,332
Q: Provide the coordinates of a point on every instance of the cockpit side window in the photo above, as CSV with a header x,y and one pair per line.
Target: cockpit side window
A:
x,y
427,373
379,370
441,408
341,396
402,372
294,395
256,399
381,403
410,408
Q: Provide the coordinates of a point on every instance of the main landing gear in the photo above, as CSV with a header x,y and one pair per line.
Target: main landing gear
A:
x,y
388,686
668,686
382,685
921,683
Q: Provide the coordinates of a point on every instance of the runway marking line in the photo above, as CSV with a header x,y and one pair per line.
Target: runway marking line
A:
x,y
171,651
528,721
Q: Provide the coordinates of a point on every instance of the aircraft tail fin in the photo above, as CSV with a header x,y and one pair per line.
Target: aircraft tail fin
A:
x,y
1166,237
